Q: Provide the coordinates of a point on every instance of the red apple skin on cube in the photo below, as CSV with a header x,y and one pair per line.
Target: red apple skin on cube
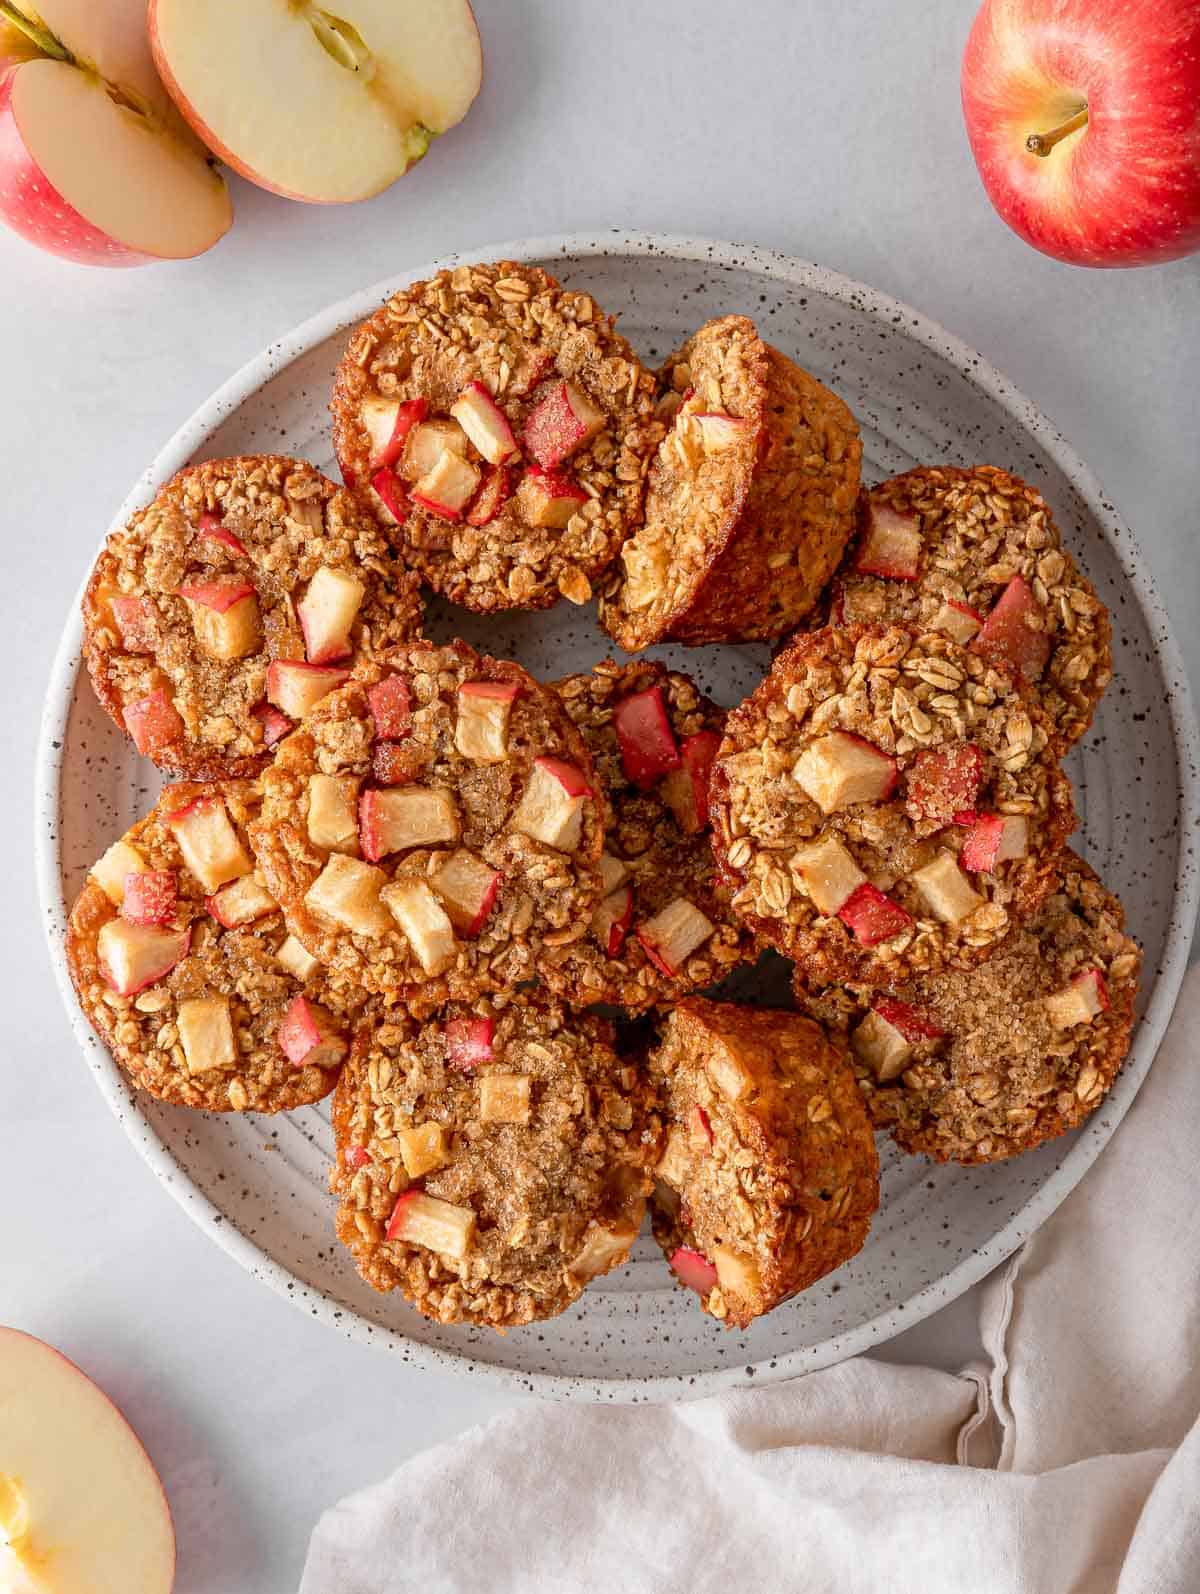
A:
x,y
549,499
872,917
891,544
648,746
469,1043
993,839
686,789
485,423
275,725
942,782
217,595
612,919
392,491
410,413
1008,637
327,613
307,1037
212,530
494,493
468,888
911,1023
135,621
154,723
693,1269
391,764
356,1157
151,897
391,708
560,423
294,686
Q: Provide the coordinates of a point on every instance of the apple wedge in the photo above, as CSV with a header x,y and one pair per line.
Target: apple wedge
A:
x,y
358,92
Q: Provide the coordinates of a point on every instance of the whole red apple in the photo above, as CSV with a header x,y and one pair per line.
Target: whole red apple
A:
x,y
1084,120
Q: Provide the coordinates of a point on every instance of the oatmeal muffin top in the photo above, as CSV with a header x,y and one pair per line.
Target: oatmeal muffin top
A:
x,y
974,1066
183,965
886,803
501,429
493,1160
976,554
432,826
769,1176
664,926
225,608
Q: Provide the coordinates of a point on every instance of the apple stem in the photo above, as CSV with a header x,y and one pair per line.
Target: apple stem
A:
x,y
1043,143
45,41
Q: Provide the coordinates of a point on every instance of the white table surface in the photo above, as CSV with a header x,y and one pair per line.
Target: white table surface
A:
x,y
832,132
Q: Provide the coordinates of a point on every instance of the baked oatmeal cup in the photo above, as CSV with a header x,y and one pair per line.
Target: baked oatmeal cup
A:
x,y
230,604
493,1160
501,430
887,803
433,826
976,554
975,1066
770,1176
751,498
183,965
664,926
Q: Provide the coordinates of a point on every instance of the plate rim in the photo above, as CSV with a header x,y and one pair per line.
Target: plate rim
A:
x,y
267,364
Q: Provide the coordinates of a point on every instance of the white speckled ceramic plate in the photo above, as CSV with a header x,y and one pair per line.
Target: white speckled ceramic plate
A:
x,y
257,1185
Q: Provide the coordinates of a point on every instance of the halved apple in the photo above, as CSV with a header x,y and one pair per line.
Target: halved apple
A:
x,y
358,89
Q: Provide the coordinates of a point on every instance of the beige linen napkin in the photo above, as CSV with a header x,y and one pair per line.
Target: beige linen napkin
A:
x,y
861,1477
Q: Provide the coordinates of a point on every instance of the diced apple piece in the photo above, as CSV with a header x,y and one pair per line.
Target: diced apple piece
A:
x,y
154,723
112,870
356,1157
667,407
957,622
614,872
424,921
838,770
728,1072
468,888
737,1274
548,499
297,959
391,707
393,821
225,617
699,1129
275,725
241,902
670,937
648,747
387,423
296,687
333,812
494,493
469,1043
423,1149
212,530
391,764
448,488
309,1037
947,892
686,790
879,1044
676,1161
132,956
829,874
891,545
551,811
872,917
327,613
562,422
719,433
481,730
211,847
484,422
1083,1000
205,1027
910,1021
427,443
611,920
151,896
993,839
347,891
134,619
420,1219
504,1099
943,781
606,1247
692,1269
1014,632
391,496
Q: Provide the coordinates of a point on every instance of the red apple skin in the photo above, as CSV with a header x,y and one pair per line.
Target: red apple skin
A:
x,y
1123,191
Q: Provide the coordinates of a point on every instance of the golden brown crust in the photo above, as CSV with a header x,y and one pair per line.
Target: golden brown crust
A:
x,y
770,1169
290,521
739,542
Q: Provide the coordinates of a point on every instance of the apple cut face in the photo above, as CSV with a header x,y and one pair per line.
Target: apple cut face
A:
x,y
359,89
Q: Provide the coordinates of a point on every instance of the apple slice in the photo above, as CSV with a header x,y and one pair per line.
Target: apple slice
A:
x,y
685,790
427,443
993,839
332,818
671,936
1083,1000
647,742
225,617
562,422
132,956
1014,633
718,432
872,917
943,781
211,530
424,921
606,1247
327,613
504,1099
957,621
391,495
241,902
611,920
210,845
394,821
308,1036
448,488
468,888
423,1148
82,1509
388,423
206,1033
391,707
134,618
151,896
484,423
891,545
947,892
469,1043
275,725
420,1219
547,498
347,891
297,959
693,1269
296,687
829,874
839,769
551,811
154,723
481,730
112,870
